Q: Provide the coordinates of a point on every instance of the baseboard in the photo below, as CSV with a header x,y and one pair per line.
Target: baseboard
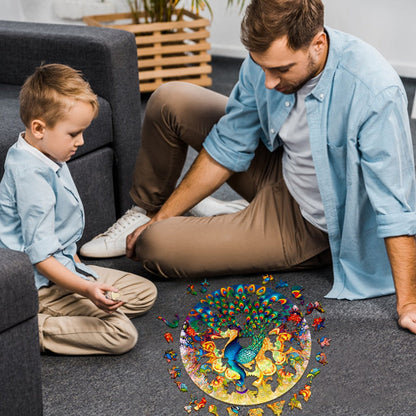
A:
x,y
228,51
404,69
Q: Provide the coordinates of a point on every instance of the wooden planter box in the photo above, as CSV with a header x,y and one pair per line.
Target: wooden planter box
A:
x,y
166,51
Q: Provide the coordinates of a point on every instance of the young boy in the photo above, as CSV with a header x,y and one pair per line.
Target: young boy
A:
x,y
82,310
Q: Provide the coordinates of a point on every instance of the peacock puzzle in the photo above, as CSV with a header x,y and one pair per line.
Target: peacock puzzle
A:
x,y
245,344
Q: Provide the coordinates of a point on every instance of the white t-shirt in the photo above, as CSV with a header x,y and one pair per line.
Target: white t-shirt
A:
x,y
298,167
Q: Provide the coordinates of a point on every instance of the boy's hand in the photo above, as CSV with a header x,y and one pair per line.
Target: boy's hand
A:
x,y
96,292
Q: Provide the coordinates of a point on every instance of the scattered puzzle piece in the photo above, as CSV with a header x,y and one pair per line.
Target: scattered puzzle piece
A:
x,y
233,410
175,372
295,403
312,374
255,412
277,408
318,323
281,283
321,358
213,409
306,392
324,342
173,324
170,356
310,307
296,292
168,337
182,386
204,286
201,404
267,278
191,290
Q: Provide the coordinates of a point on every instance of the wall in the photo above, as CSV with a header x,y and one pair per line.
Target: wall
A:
x,y
388,25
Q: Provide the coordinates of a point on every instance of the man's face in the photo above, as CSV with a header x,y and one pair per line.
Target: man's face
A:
x,y
287,70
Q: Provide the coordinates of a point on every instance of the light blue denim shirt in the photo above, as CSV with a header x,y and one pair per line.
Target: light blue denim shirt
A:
x,y
41,212
362,151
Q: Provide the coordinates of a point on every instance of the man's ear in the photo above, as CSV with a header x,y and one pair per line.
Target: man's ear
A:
x,y
37,128
320,41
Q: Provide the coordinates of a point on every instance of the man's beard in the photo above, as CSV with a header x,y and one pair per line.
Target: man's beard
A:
x,y
291,88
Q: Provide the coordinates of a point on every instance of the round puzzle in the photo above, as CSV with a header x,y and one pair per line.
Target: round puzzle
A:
x,y
245,344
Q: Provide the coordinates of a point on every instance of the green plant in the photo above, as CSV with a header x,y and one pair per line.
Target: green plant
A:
x,y
164,10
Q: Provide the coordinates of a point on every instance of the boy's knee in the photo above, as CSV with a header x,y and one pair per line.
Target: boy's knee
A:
x,y
125,340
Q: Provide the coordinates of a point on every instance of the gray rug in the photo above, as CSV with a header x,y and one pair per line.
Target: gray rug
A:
x,y
370,368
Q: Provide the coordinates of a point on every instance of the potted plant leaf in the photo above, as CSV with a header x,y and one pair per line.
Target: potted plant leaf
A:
x,y
171,39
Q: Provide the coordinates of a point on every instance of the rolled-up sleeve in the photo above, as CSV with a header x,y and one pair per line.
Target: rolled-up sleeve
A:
x,y
388,165
37,214
234,139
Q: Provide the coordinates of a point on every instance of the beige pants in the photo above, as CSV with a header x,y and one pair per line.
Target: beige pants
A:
x,y
71,324
269,235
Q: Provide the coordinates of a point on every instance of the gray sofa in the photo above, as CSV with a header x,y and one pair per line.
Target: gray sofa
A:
x,y
101,169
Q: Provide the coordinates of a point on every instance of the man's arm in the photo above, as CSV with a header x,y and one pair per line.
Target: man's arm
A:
x,y
204,177
402,254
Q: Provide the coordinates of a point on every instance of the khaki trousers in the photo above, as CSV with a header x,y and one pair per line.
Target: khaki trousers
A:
x,y
269,235
71,324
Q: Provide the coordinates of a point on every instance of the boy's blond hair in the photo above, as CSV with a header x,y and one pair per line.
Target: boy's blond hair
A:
x,y
51,91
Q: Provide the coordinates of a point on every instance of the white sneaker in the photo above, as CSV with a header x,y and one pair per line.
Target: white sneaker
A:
x,y
210,206
112,243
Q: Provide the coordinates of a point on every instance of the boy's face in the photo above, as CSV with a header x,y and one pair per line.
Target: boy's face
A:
x,y
61,142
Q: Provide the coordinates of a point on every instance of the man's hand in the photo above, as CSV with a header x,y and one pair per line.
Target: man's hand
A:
x,y
402,254
407,317
132,238
204,177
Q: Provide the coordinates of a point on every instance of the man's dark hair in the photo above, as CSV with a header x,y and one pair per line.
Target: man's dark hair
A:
x,y
267,20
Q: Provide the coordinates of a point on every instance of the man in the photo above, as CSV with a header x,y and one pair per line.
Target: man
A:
x,y
315,136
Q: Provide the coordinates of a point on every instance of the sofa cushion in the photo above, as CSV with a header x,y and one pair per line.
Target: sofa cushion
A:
x,y
93,177
18,294
99,134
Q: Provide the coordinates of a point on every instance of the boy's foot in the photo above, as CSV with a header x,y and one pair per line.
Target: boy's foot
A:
x,y
112,243
210,206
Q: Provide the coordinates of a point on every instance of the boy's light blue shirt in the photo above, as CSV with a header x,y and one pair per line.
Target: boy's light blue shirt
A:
x,y
362,151
41,212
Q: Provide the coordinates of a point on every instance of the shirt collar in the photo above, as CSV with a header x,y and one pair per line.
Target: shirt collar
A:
x,y
334,52
24,145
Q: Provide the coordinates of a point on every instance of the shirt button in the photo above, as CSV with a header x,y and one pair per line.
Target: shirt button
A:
x,y
321,96
287,103
272,131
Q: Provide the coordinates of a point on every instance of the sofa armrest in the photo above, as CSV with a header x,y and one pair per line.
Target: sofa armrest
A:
x,y
18,294
20,382
107,58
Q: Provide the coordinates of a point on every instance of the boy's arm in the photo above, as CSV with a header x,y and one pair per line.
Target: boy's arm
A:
x,y
62,276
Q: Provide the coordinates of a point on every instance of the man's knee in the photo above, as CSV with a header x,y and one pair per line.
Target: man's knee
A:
x,y
150,245
160,248
165,99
